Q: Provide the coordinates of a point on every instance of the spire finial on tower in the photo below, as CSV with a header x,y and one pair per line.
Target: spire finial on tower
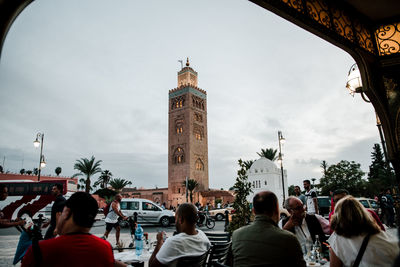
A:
x,y
187,62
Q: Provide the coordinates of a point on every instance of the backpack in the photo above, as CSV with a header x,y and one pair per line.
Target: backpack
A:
x,y
107,209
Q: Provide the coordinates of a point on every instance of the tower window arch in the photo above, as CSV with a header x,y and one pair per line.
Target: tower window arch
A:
x,y
199,165
179,126
179,156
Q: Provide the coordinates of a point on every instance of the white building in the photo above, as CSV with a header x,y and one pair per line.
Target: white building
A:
x,y
266,175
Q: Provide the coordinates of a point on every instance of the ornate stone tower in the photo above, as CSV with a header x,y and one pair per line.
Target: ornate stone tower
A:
x,y
187,136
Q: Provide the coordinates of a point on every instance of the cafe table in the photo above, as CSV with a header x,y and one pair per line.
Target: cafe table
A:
x,y
130,256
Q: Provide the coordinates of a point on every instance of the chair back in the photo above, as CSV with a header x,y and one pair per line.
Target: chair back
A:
x,y
194,261
218,238
219,252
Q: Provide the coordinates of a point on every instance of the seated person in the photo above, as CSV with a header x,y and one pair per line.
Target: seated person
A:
x,y
341,193
188,241
305,226
263,243
352,224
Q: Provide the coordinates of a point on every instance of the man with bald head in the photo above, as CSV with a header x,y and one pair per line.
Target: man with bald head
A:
x,y
303,225
263,242
188,241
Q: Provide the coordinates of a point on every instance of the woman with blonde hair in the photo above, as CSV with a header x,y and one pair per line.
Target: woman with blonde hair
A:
x,y
357,240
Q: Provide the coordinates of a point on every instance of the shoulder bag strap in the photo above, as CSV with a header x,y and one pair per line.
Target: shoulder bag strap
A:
x,y
362,250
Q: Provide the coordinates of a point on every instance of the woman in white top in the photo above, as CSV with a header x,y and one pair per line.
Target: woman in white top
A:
x,y
351,223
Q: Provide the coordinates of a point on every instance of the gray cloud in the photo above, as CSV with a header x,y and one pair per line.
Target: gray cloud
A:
x,y
96,83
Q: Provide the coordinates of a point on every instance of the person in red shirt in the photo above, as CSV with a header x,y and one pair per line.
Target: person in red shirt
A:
x,y
75,246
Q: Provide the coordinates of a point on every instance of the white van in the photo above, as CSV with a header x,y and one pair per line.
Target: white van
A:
x,y
147,211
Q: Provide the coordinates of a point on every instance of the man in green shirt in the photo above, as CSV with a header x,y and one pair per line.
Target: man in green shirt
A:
x,y
263,242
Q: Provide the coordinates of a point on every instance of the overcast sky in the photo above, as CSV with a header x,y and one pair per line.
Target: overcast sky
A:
x,y
94,77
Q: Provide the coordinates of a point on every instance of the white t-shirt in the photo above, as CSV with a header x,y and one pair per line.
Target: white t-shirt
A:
x,y
310,195
112,217
182,245
382,249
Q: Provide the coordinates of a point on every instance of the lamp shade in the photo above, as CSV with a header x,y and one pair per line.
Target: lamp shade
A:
x,y
354,84
36,143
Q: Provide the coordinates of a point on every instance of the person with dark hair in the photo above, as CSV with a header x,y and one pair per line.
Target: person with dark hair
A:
x,y
5,223
353,226
311,198
306,227
56,211
75,246
299,195
263,242
188,241
112,217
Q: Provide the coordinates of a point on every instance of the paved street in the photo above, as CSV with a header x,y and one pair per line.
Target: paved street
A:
x,y
9,238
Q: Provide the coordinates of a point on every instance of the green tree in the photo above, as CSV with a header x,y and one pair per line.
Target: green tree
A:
x,y
29,172
35,171
268,153
192,184
87,167
22,171
1,169
241,206
248,163
343,175
118,184
104,179
58,171
380,176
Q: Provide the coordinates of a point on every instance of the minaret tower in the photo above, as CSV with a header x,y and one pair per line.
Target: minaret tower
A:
x,y
187,136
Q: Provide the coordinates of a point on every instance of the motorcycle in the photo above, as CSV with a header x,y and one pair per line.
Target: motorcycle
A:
x,y
205,219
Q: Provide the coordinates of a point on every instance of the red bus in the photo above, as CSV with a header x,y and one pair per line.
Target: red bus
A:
x,y
26,197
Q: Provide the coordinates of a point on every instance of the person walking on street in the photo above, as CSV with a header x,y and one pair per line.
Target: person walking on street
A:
x,y
299,195
112,218
56,211
389,208
311,198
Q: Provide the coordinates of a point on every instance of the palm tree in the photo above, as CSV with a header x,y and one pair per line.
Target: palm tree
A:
x,y
324,166
87,168
268,153
58,171
118,184
192,184
104,179
248,163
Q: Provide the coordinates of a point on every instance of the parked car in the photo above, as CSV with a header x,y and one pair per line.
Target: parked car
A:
x,y
369,203
324,205
147,212
219,214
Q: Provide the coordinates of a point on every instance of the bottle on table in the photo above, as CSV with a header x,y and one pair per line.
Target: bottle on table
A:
x,y
139,240
317,247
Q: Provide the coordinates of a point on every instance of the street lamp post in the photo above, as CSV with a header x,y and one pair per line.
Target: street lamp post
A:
x,y
36,143
281,140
